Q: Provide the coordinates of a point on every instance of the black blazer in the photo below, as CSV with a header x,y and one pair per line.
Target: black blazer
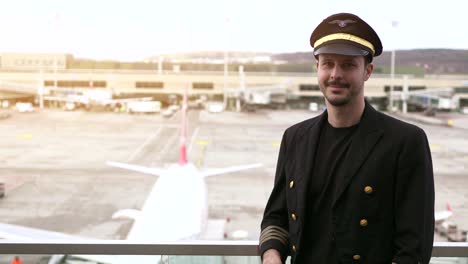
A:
x,y
384,209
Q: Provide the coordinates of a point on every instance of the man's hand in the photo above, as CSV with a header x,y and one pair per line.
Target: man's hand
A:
x,y
271,256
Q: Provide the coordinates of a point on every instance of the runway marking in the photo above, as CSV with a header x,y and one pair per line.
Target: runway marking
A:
x,y
203,142
147,141
170,143
167,125
201,156
192,138
25,136
434,147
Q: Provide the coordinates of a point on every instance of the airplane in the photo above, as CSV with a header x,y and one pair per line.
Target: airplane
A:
x,y
442,216
253,97
71,98
180,193
176,209
445,227
91,99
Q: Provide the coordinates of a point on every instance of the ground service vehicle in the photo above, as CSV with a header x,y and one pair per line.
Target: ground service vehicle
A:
x,y
143,107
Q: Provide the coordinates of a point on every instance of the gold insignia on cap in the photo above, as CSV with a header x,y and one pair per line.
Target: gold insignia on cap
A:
x,y
342,23
345,36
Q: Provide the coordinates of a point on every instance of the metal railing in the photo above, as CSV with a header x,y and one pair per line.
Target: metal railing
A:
x,y
194,248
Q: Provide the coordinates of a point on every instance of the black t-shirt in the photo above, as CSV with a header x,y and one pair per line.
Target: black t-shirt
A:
x,y
318,245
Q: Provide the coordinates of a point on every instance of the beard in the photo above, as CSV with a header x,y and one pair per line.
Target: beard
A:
x,y
336,101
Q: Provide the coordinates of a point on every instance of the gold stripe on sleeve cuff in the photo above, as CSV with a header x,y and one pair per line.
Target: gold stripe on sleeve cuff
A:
x,y
274,232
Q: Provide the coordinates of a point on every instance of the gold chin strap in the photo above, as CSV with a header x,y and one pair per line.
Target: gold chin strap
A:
x,y
345,36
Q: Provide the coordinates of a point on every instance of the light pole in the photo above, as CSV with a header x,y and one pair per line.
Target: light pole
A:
x,y
225,77
226,59
57,39
392,78
392,67
40,89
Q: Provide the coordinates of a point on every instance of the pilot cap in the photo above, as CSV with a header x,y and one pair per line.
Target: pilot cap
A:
x,y
345,34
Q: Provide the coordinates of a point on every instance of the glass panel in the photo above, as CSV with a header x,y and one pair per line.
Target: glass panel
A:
x,y
66,83
449,261
43,259
75,259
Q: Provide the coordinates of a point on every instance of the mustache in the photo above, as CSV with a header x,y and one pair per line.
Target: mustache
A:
x,y
337,84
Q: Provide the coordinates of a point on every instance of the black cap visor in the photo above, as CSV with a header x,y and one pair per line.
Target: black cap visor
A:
x,y
341,49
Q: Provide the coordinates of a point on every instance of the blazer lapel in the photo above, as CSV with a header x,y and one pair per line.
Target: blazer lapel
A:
x,y
307,145
304,156
366,137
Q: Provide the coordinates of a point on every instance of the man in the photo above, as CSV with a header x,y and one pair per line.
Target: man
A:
x,y
352,185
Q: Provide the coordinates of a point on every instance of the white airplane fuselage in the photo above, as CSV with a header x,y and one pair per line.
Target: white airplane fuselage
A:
x,y
176,208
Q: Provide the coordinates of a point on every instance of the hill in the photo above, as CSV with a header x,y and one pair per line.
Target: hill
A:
x,y
417,61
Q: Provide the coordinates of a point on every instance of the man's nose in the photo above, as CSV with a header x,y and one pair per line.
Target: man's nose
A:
x,y
336,73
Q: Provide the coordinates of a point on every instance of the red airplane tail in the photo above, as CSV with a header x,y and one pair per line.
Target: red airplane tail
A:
x,y
183,131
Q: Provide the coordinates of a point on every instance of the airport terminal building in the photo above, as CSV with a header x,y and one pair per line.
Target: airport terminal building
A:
x,y
23,74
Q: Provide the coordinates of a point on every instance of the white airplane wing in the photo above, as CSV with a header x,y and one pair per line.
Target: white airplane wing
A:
x,y
442,215
16,232
21,233
105,259
138,168
127,214
214,172
116,259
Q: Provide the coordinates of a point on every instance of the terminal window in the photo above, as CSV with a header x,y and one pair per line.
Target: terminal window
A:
x,y
62,83
202,85
149,85
76,83
48,83
415,88
400,88
309,87
99,84
461,89
395,88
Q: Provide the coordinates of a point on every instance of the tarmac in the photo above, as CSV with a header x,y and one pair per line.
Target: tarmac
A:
x,y
53,164
447,119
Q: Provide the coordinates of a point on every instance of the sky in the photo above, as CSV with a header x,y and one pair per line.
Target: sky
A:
x,y
131,30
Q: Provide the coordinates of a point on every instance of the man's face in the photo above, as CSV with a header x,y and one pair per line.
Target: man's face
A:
x,y
341,78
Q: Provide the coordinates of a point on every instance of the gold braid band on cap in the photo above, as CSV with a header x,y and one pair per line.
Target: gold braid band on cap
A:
x,y
345,36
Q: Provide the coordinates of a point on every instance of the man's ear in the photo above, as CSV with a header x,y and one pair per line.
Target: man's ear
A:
x,y
369,70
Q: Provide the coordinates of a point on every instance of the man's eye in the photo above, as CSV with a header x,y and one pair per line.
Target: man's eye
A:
x,y
348,65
